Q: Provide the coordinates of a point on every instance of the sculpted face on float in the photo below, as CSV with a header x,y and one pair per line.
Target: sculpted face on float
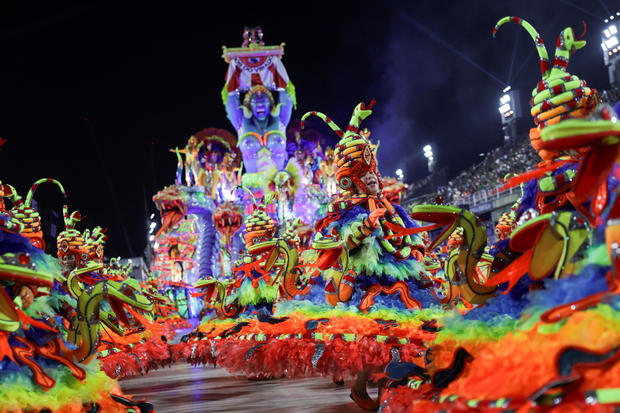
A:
x,y
260,105
371,181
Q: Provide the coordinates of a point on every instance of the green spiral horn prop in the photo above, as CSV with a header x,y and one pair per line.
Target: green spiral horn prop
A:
x,y
325,118
70,220
34,187
538,41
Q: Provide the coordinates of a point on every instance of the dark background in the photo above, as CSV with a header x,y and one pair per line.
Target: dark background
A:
x,y
94,94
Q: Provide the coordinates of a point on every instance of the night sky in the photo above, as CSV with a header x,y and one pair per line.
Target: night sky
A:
x,y
95,94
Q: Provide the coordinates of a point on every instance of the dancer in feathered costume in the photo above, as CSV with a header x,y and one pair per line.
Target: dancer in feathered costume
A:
x,y
40,370
256,283
307,337
131,341
384,252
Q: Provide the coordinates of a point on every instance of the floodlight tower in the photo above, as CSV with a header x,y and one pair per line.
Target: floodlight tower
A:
x,y
510,109
399,174
428,154
610,42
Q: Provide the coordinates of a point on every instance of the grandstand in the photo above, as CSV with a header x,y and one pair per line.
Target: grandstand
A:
x,y
478,188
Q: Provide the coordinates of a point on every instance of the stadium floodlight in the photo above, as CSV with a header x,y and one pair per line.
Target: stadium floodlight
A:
x,y
610,43
428,154
399,174
509,106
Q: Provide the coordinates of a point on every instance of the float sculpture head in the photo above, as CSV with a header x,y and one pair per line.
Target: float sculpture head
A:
x,y
259,102
559,95
355,158
70,243
228,219
172,205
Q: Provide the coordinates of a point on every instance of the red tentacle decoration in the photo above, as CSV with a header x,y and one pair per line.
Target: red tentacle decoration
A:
x,y
51,351
535,173
369,299
513,272
584,30
402,288
5,347
28,321
400,231
24,354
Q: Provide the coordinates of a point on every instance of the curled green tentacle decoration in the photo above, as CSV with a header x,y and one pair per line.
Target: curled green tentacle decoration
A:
x,y
85,328
460,268
70,219
325,119
538,41
249,192
217,291
566,45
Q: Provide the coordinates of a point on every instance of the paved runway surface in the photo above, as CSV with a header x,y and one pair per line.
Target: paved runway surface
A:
x,y
183,388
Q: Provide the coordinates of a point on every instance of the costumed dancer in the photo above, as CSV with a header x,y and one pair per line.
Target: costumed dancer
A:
x,y
39,369
548,339
256,282
384,252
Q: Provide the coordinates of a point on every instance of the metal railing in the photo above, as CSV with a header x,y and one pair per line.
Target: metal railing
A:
x,y
485,195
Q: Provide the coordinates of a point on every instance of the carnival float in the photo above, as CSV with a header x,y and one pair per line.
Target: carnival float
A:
x,y
297,260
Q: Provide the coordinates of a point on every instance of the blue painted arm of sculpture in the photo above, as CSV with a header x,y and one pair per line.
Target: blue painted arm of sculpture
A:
x,y
233,110
286,107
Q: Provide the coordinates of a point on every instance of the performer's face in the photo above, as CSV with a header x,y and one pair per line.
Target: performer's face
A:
x,y
371,181
27,296
68,261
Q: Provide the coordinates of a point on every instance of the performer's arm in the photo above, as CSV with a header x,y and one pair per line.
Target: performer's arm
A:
x,y
369,225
